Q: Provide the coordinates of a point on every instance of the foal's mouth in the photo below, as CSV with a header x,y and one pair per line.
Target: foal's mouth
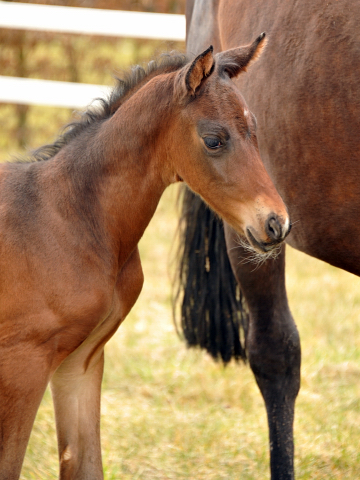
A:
x,y
264,247
261,247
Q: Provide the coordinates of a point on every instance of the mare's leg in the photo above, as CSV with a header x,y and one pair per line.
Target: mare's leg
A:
x,y
24,374
273,346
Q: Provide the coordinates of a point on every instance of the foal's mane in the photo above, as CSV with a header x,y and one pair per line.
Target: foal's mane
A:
x,y
125,87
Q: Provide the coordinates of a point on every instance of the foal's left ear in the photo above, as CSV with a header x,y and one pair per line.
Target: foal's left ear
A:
x,y
199,70
237,60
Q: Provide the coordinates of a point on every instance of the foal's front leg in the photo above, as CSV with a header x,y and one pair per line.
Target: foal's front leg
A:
x,y
273,346
76,384
76,389
24,374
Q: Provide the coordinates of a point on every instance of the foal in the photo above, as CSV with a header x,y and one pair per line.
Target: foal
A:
x,y
70,223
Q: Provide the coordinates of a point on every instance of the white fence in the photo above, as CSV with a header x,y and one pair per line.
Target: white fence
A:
x,y
84,21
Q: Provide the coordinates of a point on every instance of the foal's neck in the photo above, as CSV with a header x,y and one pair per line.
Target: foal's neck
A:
x,y
129,155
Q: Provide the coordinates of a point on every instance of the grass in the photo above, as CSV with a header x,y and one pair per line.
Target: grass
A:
x,y
172,413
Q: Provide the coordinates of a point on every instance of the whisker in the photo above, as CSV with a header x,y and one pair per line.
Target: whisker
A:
x,y
255,257
293,223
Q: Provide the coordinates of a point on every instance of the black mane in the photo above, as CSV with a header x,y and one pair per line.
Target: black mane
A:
x,y
125,87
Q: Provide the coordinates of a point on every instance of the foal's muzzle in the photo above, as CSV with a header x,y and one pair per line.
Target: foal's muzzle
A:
x,y
276,230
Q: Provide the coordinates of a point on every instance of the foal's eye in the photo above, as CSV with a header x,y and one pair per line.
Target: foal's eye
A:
x,y
213,142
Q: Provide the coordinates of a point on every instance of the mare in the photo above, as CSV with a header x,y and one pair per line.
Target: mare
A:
x,y
71,219
305,94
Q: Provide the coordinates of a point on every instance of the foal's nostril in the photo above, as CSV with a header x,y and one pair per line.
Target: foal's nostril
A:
x,y
274,228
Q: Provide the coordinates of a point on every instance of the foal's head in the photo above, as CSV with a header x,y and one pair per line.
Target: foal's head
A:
x,y
215,148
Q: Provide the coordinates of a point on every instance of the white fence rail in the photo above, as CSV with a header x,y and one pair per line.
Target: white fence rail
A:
x,y
28,91
85,21
90,21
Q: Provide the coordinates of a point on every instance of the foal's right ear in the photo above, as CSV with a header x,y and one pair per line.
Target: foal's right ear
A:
x,y
196,73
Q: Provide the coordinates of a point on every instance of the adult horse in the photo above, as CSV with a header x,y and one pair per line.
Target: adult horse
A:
x,y
305,94
70,223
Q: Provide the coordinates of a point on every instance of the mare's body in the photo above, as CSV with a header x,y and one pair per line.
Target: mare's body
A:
x,y
305,94
70,223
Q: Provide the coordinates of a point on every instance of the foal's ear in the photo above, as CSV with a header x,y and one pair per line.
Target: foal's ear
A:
x,y
199,70
237,60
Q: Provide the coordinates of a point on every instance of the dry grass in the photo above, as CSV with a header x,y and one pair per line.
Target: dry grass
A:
x,y
171,413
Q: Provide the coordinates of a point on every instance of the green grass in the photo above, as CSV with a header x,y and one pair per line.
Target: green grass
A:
x,y
172,413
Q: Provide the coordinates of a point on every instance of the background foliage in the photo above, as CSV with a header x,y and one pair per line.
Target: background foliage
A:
x,y
73,58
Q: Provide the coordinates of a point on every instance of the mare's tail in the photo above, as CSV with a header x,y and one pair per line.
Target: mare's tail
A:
x,y
212,313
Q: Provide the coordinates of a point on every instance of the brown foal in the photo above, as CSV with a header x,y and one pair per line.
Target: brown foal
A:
x,y
71,219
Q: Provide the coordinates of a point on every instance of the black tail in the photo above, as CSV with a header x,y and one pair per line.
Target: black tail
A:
x,y
211,304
